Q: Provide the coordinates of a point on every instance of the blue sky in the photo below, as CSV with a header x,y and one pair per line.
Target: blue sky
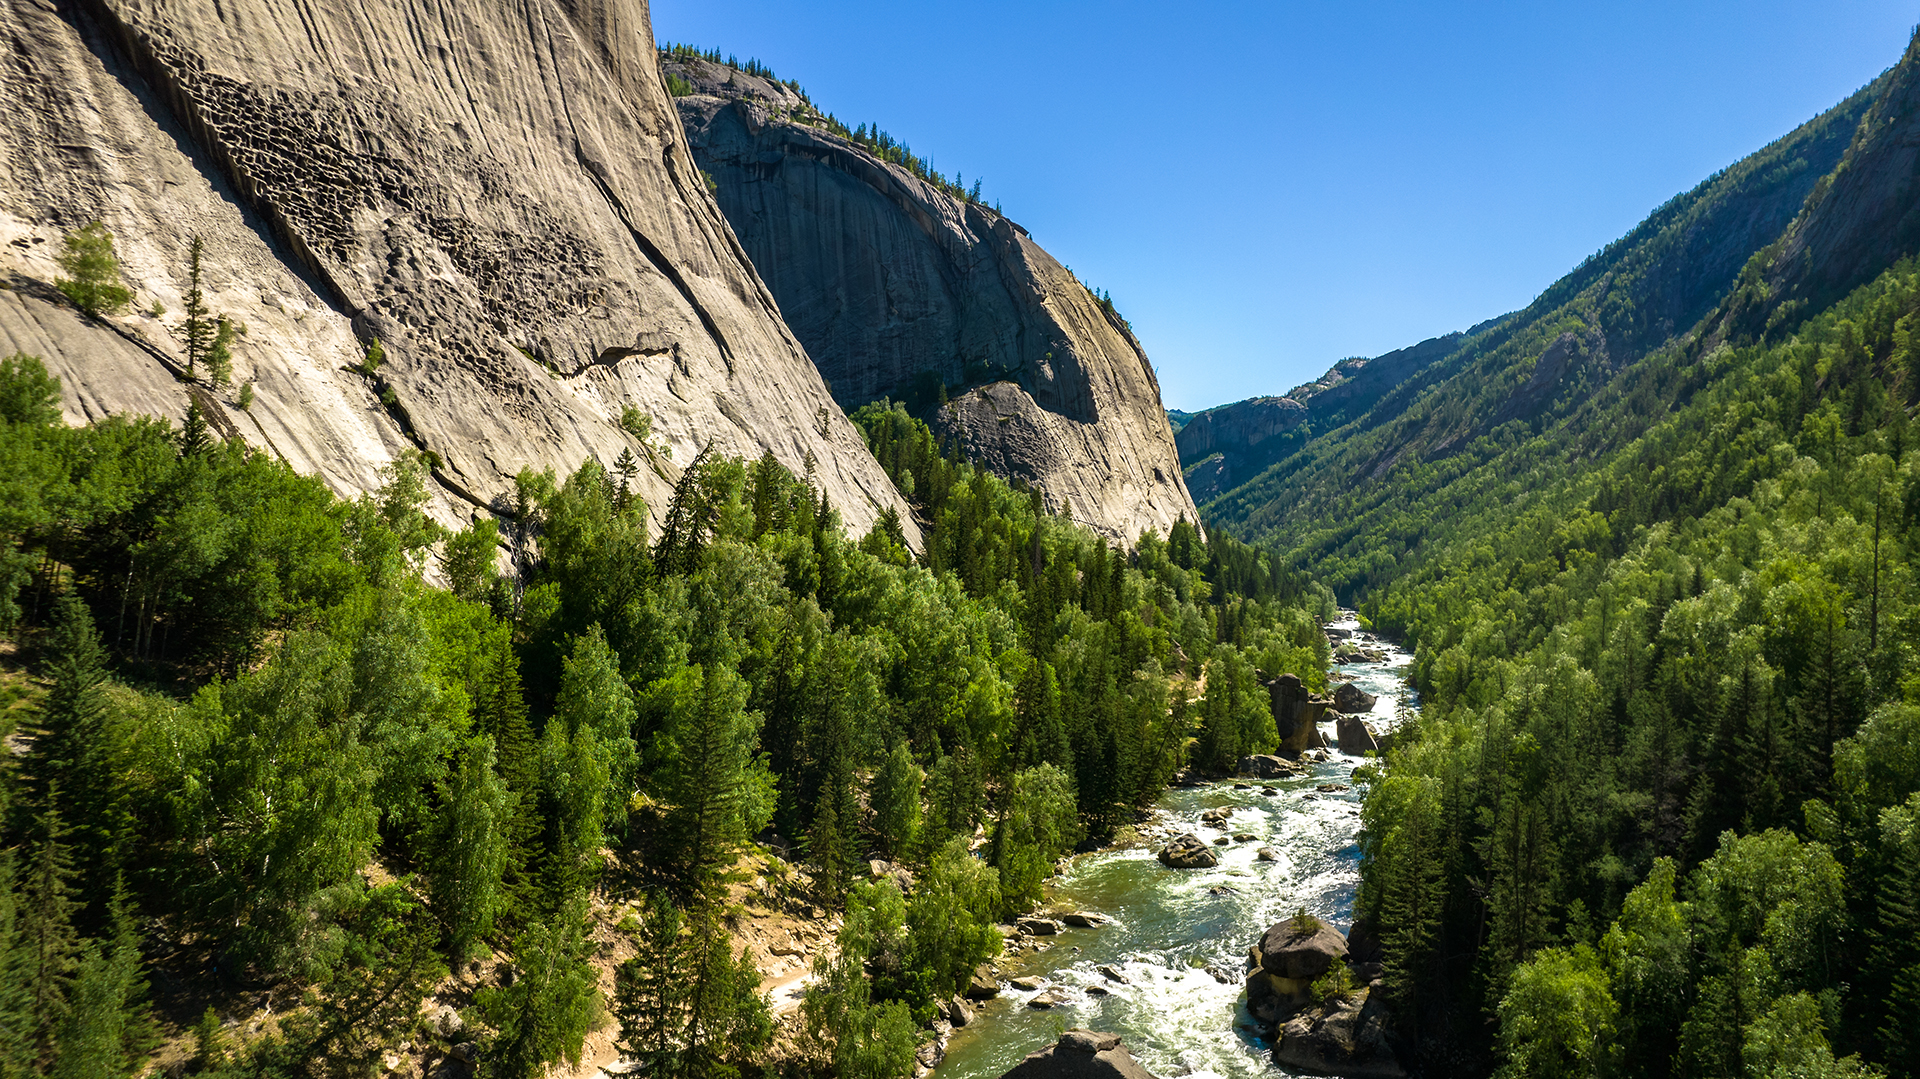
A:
x,y
1266,188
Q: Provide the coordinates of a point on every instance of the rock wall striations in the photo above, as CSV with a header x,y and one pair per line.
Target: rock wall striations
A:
x,y
498,191
899,289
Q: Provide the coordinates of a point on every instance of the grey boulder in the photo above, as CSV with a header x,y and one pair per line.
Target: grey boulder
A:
x,y
1081,1054
1188,852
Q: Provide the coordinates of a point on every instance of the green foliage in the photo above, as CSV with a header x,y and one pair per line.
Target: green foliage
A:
x,y
199,330
1036,828
93,271
1557,1018
545,1014
867,1038
258,705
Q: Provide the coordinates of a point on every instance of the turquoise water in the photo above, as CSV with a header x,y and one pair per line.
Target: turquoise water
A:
x,y
1169,924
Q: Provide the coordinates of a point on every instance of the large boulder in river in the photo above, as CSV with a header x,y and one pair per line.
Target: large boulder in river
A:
x,y
1301,948
1267,766
1356,737
1081,1054
1347,1037
1351,698
1188,852
1296,715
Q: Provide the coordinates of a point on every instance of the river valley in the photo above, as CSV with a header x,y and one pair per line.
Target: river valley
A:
x,y
1168,926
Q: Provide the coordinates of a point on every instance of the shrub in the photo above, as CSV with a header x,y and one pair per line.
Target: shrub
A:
x,y
93,283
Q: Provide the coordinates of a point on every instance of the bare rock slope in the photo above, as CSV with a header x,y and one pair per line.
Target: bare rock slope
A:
x,y
499,191
899,288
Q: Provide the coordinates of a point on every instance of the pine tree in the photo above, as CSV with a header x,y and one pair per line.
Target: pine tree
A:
x,y
48,946
74,753
197,333
108,1032
195,437
93,281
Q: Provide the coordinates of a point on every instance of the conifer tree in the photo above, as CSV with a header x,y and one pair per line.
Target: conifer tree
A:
x,y
219,356
720,789
72,760
650,989
49,949
197,333
107,1033
195,437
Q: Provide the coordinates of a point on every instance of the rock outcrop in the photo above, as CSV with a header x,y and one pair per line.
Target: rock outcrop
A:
x,y
902,289
1296,715
1081,1054
1344,1037
501,194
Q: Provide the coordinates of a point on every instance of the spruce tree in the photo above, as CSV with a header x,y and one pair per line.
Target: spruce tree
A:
x,y
71,764
107,1033
650,990
49,949
195,437
197,333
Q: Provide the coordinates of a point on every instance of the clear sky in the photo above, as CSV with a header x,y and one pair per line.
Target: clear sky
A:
x,y
1266,188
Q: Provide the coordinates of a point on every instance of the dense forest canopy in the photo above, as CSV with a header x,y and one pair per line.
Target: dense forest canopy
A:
x,y
1659,812
258,749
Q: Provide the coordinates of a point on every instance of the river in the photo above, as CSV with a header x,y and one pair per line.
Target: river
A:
x,y
1169,925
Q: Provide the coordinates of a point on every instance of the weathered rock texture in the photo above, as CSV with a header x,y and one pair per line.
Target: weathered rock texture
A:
x,y
898,288
499,191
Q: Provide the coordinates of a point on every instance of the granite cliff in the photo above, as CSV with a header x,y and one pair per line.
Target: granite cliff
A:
x,y
499,193
902,288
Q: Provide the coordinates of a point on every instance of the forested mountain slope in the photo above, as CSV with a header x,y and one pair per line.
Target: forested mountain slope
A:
x,y
1660,811
498,194
903,284
1517,376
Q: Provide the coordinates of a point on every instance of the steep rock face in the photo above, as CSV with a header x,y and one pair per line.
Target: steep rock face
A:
x,y
499,192
1855,223
898,288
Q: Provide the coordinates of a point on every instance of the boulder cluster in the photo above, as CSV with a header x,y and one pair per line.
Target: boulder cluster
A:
x,y
1318,995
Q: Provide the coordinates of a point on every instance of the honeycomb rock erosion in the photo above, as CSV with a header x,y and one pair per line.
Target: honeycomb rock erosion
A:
x,y
900,289
499,192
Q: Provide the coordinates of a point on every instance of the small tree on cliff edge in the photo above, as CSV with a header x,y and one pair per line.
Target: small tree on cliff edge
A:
x,y
93,281
198,332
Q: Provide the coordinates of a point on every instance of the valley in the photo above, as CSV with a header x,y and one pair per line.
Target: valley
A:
x,y
527,550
